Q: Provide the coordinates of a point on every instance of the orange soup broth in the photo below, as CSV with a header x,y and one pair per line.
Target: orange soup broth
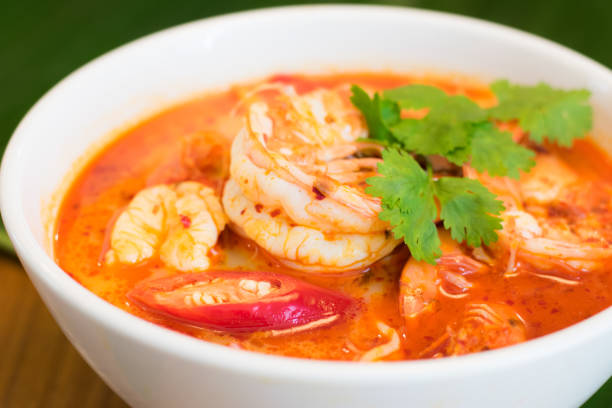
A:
x,y
152,152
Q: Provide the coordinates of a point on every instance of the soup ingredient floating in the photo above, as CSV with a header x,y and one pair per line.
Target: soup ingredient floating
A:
x,y
179,222
297,182
484,326
243,301
552,220
422,284
419,122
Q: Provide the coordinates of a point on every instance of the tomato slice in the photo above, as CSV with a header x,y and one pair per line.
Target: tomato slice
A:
x,y
242,301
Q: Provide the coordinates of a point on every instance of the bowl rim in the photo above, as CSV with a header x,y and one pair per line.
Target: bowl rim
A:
x,y
166,341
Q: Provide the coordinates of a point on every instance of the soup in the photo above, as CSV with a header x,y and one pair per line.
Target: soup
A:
x,y
244,218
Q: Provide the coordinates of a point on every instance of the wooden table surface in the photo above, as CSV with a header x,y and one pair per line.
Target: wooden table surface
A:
x,y
39,367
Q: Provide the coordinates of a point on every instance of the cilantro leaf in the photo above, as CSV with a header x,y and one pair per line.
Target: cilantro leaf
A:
x,y
416,96
496,153
557,115
458,108
409,196
430,136
378,114
441,106
408,203
445,128
468,210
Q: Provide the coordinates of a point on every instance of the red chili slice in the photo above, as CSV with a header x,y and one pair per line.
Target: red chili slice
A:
x,y
242,301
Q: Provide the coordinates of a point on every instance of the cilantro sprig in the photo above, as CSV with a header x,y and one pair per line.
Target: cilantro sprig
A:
x,y
456,128
410,198
546,113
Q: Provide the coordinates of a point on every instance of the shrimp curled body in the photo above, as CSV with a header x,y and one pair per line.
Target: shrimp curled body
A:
x,y
484,326
422,284
298,178
298,153
302,247
554,220
180,223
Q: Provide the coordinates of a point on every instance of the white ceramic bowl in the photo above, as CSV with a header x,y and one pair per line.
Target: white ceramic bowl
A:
x,y
150,366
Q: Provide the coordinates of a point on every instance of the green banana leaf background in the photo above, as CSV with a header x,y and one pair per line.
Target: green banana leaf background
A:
x,y
43,41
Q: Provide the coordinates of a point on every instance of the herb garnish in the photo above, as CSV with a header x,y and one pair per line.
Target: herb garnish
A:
x,y
558,115
456,128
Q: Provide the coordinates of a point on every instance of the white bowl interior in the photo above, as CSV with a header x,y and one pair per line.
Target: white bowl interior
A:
x,y
151,73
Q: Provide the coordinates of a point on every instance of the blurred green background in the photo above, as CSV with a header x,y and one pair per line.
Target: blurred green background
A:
x,y
43,41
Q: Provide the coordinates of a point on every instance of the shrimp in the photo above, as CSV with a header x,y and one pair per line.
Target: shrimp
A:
x,y
552,221
300,153
301,247
180,223
298,178
422,283
484,326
